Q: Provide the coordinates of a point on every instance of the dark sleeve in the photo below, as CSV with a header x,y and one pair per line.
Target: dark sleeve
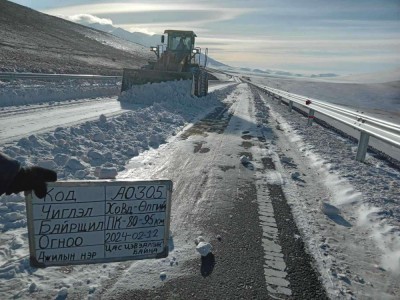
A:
x,y
8,170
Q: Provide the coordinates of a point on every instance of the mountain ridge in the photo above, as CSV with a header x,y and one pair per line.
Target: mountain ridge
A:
x,y
35,42
139,38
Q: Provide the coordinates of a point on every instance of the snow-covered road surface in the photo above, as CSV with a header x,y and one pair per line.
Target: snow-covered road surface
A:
x,y
234,174
18,124
216,194
348,211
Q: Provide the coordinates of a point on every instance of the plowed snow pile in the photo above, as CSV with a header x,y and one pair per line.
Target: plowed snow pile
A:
x,y
82,152
22,92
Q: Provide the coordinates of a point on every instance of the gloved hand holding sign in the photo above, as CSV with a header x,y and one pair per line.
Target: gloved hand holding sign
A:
x,y
15,179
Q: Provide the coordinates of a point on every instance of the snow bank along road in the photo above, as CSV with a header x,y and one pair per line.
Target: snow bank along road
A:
x,y
265,190
19,123
16,122
350,121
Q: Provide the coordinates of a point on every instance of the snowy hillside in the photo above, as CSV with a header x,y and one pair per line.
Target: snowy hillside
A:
x,y
35,42
144,39
135,37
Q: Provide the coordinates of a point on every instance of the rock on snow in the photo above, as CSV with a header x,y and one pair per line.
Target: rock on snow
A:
x,y
204,248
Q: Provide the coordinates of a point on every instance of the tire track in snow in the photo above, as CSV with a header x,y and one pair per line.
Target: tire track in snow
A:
x,y
274,264
288,269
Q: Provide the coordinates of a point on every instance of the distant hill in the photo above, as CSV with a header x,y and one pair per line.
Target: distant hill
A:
x,y
375,77
276,73
261,71
35,42
146,40
324,75
140,38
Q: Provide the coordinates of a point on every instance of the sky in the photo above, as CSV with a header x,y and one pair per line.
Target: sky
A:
x,y
299,36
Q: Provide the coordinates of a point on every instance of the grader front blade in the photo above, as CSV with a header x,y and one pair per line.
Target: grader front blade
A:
x,y
132,77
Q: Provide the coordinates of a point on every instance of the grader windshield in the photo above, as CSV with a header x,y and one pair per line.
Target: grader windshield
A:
x,y
180,40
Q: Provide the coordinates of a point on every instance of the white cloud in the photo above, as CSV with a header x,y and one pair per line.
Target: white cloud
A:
x,y
210,13
116,8
88,19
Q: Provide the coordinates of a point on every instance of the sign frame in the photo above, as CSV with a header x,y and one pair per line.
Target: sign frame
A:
x,y
29,198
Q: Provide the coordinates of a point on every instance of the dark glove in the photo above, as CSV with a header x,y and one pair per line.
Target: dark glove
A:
x,y
32,178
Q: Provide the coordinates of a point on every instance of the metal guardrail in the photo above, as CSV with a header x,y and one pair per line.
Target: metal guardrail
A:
x,y
366,125
42,76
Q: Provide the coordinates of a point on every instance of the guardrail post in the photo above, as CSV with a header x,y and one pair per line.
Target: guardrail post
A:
x,y
279,100
310,117
290,106
362,146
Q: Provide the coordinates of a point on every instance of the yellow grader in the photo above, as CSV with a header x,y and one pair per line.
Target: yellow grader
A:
x,y
177,62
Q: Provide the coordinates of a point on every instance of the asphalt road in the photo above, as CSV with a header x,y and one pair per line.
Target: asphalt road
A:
x,y
257,252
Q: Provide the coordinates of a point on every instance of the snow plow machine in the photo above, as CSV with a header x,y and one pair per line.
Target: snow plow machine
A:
x,y
176,62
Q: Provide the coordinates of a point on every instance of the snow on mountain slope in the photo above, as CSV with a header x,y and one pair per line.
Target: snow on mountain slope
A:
x,y
35,42
137,37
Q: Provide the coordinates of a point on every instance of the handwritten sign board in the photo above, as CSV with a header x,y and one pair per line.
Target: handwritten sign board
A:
x,y
80,222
